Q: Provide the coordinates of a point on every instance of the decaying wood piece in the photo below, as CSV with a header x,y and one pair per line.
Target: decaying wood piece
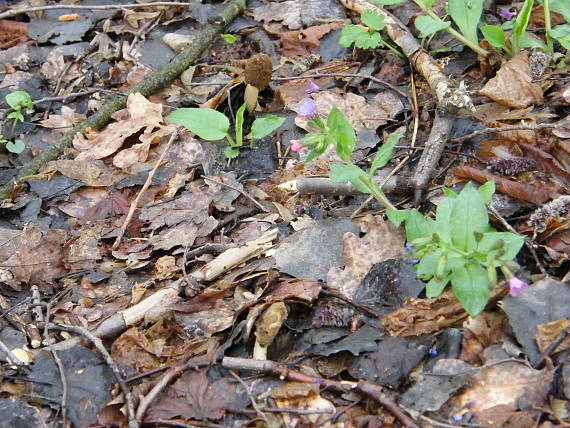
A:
x,y
149,86
451,98
160,302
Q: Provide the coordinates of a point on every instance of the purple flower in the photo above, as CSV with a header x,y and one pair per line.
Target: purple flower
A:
x,y
296,145
516,286
307,109
506,14
313,87
409,247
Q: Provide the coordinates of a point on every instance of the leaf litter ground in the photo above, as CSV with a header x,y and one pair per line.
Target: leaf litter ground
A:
x,y
217,267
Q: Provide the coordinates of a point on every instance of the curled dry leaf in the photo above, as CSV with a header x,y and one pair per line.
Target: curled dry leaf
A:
x,y
513,86
140,113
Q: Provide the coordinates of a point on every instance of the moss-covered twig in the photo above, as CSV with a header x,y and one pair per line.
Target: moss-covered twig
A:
x,y
149,86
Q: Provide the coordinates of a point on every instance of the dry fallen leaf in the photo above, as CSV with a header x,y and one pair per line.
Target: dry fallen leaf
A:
x,y
382,241
513,86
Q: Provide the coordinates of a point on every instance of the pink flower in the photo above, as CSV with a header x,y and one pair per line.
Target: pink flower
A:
x,y
296,145
313,87
506,14
516,286
307,109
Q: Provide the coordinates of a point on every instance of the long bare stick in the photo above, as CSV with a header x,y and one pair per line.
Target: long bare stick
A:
x,y
15,12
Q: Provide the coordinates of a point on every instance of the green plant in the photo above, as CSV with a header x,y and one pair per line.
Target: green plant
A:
x,y
212,125
460,246
18,102
369,38
16,146
338,132
464,13
229,38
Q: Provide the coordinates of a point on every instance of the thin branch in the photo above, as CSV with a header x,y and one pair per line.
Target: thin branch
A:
x,y
12,359
283,372
242,192
146,185
15,12
251,397
503,129
110,362
356,75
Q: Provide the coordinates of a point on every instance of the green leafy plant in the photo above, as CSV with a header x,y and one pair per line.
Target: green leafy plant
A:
x,y
16,146
466,15
369,38
460,246
518,38
337,131
229,38
212,125
19,101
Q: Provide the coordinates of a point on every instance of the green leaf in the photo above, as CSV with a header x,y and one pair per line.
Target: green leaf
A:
x,y
349,34
206,123
16,115
229,38
495,35
428,26
342,132
509,243
341,172
19,100
231,152
562,7
265,126
372,19
486,191
469,214
443,218
435,287
466,14
428,264
239,125
384,155
417,226
368,40
562,34
449,193
519,27
385,2
427,3
17,146
529,41
397,216
471,287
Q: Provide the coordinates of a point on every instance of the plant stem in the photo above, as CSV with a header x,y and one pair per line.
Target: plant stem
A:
x,y
452,31
548,25
393,49
231,141
372,187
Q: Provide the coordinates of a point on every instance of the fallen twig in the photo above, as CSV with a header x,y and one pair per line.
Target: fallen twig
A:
x,y
148,87
146,185
15,12
283,372
503,129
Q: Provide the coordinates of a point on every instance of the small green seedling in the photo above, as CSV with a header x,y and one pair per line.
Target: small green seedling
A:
x,y
211,125
15,147
19,101
460,246
229,38
366,38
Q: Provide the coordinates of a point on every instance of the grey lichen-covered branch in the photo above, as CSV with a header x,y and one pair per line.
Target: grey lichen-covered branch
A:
x,y
204,38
